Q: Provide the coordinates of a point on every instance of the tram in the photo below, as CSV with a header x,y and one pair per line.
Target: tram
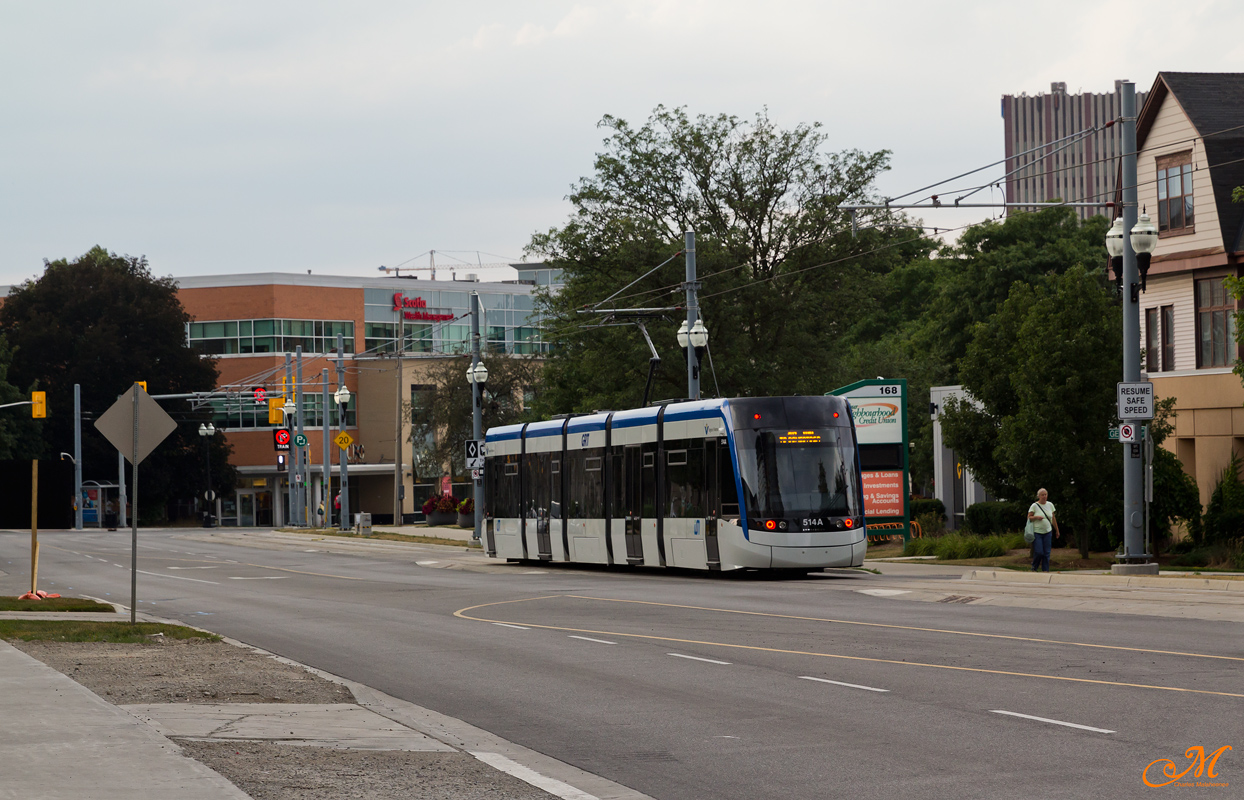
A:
x,y
765,483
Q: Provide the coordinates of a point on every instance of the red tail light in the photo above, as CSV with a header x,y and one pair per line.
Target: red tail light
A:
x,y
770,524
850,522
835,415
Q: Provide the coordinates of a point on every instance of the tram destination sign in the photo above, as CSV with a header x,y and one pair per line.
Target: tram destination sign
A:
x,y
1135,400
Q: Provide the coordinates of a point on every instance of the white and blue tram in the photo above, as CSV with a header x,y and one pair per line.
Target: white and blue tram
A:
x,y
745,483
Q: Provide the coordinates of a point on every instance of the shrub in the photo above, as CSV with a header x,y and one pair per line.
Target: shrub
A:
x,y
429,505
920,508
996,517
1224,515
448,504
931,524
467,507
957,546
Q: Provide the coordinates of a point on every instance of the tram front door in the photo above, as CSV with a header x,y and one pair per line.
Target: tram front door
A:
x,y
633,496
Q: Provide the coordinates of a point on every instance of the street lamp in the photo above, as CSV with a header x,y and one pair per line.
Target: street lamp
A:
x,y
206,431
1144,241
342,398
1114,246
693,339
477,373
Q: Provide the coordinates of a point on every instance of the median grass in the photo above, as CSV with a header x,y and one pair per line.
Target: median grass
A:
x,y
959,547
74,604
51,630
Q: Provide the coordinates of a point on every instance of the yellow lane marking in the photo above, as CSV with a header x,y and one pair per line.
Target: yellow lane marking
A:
x,y
911,628
226,564
461,613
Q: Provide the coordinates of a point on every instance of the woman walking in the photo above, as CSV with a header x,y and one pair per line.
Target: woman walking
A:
x,y
1041,514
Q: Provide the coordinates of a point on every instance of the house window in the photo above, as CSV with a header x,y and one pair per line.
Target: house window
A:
x,y
1175,193
1215,324
1160,339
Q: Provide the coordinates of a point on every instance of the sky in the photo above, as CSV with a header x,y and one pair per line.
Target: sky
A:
x,y
336,137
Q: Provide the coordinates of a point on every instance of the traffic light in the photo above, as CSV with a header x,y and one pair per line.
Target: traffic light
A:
x,y
38,405
276,411
280,462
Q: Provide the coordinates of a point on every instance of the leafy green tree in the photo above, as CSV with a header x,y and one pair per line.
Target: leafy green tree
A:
x,y
783,279
103,321
1044,369
442,424
1175,494
19,433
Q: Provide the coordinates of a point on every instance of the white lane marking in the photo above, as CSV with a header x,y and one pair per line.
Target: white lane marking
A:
x,y
550,785
590,639
883,592
507,625
840,683
1053,721
534,572
697,658
192,567
425,563
172,577
260,578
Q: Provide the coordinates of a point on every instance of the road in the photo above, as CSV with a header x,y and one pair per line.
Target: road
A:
x,y
699,686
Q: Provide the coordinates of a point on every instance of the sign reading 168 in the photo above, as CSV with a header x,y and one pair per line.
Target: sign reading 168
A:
x,y
888,390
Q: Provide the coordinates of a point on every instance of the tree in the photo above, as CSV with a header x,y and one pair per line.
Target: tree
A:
x,y
784,281
1044,369
19,433
1175,494
103,321
442,423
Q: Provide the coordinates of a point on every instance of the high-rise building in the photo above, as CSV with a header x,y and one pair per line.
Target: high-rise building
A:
x,y
1076,169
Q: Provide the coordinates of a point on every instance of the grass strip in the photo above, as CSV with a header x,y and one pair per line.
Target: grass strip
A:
x,y
74,604
384,535
55,630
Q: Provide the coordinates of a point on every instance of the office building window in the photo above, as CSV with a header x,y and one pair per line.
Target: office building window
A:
x,y
1168,338
1175,193
1215,324
251,336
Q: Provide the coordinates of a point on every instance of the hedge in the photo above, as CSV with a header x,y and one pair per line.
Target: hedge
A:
x,y
933,506
989,518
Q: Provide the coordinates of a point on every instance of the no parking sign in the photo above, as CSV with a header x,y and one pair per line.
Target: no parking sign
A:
x,y
1127,433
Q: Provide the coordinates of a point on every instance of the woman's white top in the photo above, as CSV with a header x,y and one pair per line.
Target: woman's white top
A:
x,y
1041,524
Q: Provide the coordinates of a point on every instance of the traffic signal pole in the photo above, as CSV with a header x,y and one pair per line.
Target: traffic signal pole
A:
x,y
477,412
77,457
326,481
344,518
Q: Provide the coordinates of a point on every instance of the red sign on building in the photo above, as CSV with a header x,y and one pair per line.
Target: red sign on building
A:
x,y
412,308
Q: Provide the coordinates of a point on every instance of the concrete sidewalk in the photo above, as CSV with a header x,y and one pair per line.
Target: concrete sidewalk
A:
x,y
64,741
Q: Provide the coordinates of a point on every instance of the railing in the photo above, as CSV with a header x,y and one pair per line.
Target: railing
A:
x,y
879,532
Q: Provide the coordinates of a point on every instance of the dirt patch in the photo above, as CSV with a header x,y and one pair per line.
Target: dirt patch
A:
x,y
184,671
281,772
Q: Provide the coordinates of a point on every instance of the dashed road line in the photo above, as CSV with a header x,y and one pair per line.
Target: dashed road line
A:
x,y
1052,721
698,658
508,625
840,683
590,639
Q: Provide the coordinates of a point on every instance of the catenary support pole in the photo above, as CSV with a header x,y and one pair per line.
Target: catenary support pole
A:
x,y
326,481
121,520
397,419
300,453
477,411
134,517
342,459
693,312
34,524
291,497
1133,490
77,456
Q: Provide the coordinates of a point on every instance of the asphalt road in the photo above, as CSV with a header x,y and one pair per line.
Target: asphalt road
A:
x,y
697,686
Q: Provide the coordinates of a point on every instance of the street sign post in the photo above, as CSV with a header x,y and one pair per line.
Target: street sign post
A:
x,y
280,440
1135,400
1127,433
1113,433
135,425
475,454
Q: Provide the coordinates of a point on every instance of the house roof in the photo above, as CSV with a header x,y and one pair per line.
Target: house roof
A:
x,y
1214,104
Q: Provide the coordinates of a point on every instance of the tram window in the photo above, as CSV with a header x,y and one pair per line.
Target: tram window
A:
x,y
685,481
501,477
617,476
648,482
649,459
592,465
556,466
511,468
585,488
725,484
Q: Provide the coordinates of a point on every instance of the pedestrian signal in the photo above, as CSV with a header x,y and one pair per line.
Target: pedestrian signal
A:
x,y
280,462
38,405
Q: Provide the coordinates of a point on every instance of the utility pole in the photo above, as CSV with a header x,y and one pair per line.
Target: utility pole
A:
x,y
121,523
300,452
693,313
77,456
1133,488
326,481
344,478
290,492
397,416
477,411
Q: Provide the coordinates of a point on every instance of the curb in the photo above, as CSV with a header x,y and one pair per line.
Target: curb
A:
x,y
1115,581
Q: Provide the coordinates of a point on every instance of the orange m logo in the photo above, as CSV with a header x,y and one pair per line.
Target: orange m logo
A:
x,y
1196,756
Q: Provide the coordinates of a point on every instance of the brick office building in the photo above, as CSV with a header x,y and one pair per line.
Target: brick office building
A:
x,y
249,322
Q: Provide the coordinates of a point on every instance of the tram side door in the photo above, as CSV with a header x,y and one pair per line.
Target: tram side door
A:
x,y
712,497
632,488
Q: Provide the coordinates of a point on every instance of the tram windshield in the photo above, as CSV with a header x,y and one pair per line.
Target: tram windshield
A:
x,y
789,473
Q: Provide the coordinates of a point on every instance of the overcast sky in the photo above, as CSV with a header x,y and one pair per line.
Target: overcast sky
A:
x,y
246,136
